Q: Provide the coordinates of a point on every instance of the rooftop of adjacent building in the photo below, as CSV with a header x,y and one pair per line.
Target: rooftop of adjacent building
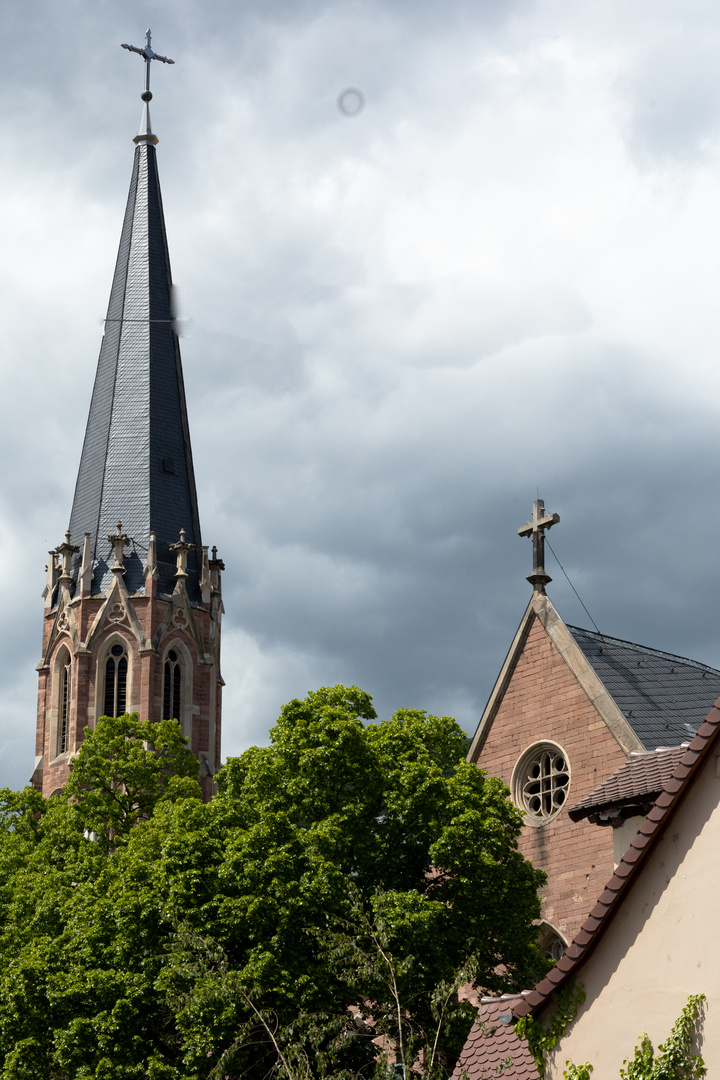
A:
x,y
492,1046
663,697
633,787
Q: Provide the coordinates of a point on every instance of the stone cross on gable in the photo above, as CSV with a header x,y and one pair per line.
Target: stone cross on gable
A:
x,y
536,527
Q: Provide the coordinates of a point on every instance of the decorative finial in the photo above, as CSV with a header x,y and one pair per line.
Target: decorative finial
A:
x,y
51,579
151,569
215,566
145,134
536,527
119,541
205,588
181,553
85,575
66,552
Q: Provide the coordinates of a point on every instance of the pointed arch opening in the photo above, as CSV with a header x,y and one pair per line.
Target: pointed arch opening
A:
x,y
115,682
172,687
176,684
551,942
116,676
62,703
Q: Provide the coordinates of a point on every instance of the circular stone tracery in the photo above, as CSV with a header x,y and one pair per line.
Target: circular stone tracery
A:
x,y
541,780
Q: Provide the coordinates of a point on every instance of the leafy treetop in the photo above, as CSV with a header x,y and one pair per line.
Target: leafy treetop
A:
x,y
338,888
123,768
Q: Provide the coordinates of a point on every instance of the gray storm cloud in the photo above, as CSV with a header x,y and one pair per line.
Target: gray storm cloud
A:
x,y
500,276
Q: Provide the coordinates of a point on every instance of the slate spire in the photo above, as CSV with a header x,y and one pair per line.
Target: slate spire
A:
x,y
136,463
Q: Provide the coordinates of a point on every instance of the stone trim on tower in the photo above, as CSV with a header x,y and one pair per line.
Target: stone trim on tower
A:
x,y
84,630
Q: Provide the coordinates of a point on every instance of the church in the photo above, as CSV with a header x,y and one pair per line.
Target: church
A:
x,y
645,952
611,749
133,599
569,708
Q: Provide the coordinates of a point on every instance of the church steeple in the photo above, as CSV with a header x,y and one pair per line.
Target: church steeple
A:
x,y
132,609
136,461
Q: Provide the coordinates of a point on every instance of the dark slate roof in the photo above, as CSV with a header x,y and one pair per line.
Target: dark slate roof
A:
x,y
663,697
675,790
136,463
637,782
492,1048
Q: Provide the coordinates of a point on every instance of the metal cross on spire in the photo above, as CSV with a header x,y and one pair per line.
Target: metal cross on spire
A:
x,y
536,527
147,54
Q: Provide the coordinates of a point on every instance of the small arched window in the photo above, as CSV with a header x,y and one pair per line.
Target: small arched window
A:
x,y
551,942
64,706
172,683
116,682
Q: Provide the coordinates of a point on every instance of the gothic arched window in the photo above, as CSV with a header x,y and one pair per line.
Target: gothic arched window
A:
x,y
551,942
64,706
172,682
115,682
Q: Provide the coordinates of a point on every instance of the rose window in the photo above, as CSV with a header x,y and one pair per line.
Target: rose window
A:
x,y
541,782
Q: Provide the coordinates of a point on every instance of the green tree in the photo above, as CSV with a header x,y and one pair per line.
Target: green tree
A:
x,y
356,835
337,887
124,767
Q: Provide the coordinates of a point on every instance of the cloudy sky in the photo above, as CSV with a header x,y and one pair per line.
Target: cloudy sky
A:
x,y
500,277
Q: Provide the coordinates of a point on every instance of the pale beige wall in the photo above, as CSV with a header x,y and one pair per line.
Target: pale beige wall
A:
x,y
662,946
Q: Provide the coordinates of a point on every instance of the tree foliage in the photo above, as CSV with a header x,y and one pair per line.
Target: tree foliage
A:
x,y
334,892
123,768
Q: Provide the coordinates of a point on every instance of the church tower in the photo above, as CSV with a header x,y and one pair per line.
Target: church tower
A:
x,y
133,601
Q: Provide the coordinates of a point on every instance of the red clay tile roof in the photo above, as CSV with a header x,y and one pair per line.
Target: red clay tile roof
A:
x,y
618,887
492,1042
638,781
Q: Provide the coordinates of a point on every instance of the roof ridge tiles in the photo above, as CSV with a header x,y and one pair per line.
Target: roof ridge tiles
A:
x,y
649,649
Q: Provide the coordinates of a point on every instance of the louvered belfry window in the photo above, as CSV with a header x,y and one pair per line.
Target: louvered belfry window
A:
x,y
64,709
172,683
116,682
